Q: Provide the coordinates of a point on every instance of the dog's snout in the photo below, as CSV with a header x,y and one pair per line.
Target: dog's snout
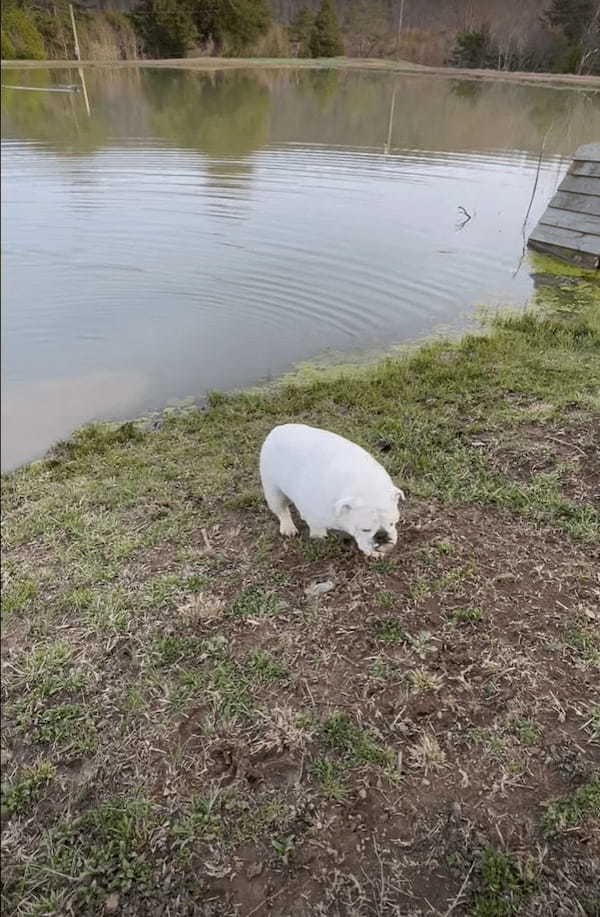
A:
x,y
381,537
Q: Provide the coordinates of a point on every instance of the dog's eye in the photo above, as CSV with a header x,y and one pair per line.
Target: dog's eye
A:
x,y
367,530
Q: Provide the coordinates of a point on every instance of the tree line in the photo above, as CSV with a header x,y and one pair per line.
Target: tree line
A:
x,y
531,35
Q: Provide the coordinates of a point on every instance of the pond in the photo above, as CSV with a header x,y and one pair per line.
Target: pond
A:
x,y
208,230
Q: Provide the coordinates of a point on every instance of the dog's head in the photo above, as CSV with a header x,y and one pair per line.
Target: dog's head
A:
x,y
372,527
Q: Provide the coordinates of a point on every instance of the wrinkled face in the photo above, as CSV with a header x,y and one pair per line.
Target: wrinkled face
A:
x,y
373,528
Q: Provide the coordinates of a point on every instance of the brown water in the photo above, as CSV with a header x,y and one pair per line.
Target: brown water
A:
x,y
208,230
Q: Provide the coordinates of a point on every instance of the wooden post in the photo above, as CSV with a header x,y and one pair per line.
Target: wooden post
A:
x,y
388,145
400,22
78,56
85,95
77,51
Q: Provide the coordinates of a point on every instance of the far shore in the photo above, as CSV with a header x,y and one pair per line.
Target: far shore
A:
x,y
406,68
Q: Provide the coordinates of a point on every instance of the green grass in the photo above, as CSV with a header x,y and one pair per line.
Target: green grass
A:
x,y
584,641
332,776
466,615
17,795
67,728
354,744
503,886
264,667
255,602
385,598
109,844
18,594
88,502
174,704
527,732
172,649
572,810
388,631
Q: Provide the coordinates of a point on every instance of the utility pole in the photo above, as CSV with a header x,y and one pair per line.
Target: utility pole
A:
x,y
400,21
78,56
74,27
388,145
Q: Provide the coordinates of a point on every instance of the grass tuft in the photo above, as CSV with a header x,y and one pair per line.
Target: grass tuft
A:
x,y
503,887
572,810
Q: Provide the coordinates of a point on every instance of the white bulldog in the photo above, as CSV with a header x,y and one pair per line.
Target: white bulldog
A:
x,y
333,483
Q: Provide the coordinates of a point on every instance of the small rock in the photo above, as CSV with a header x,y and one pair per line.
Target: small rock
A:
x,y
112,903
362,793
316,589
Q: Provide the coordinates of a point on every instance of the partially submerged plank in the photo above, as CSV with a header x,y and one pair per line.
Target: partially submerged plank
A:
x,y
581,259
42,88
578,203
580,222
589,152
570,226
581,184
567,238
585,168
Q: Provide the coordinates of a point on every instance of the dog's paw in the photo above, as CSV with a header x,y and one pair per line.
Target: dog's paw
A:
x,y
288,529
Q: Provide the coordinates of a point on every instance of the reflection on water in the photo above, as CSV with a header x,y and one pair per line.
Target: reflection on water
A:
x,y
207,230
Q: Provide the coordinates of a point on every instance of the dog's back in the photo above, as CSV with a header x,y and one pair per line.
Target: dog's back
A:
x,y
300,459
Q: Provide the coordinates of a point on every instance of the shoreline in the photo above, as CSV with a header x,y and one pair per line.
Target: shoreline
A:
x,y
403,68
327,367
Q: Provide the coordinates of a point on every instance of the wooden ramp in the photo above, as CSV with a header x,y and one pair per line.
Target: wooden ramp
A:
x,y
570,227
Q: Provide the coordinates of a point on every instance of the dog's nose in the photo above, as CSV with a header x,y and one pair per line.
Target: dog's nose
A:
x,y
381,537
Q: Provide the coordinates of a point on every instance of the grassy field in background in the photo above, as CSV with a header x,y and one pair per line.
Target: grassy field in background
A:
x,y
190,728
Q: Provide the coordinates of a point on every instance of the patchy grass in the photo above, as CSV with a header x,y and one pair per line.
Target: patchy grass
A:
x,y
571,811
19,794
184,730
353,743
466,615
255,602
503,886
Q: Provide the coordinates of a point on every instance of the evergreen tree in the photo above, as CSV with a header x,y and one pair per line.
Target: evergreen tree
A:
x,y
234,23
579,22
573,17
475,49
21,37
326,39
300,31
166,27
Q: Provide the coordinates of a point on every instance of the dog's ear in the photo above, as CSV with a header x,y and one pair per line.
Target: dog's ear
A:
x,y
399,494
344,506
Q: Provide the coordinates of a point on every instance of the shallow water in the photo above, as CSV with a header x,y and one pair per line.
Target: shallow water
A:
x,y
207,230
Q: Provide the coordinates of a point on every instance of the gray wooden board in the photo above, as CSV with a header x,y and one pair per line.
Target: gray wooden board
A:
x,y
580,222
581,184
585,168
566,238
578,203
580,258
589,152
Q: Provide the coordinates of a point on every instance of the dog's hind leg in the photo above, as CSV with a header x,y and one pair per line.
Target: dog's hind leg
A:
x,y
279,504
